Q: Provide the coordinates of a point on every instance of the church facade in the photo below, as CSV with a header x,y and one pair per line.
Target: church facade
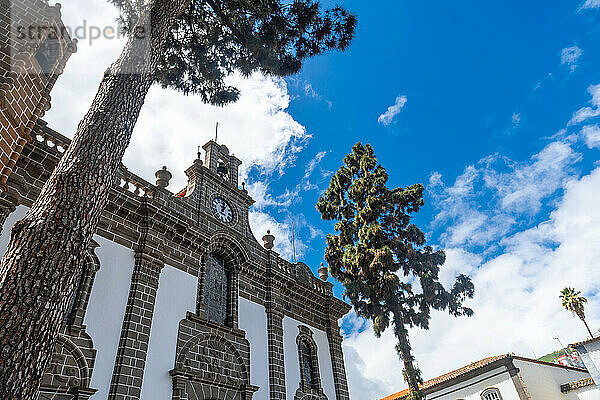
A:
x,y
178,300
34,48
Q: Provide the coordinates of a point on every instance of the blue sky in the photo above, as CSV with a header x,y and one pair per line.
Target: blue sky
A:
x,y
492,106
479,79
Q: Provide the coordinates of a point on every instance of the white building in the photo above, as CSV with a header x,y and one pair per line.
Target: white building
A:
x,y
589,351
509,377
177,300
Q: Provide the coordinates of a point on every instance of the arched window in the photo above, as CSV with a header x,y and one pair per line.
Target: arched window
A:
x,y
491,394
306,364
48,53
308,360
217,289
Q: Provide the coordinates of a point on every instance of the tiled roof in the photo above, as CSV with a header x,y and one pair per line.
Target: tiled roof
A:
x,y
473,367
583,342
450,375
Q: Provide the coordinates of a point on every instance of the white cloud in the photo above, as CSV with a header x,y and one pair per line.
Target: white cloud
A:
x,y
516,303
486,199
569,56
262,222
590,4
586,113
257,128
387,117
591,135
522,189
518,268
516,119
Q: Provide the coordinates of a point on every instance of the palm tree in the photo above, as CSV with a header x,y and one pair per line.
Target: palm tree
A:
x,y
574,302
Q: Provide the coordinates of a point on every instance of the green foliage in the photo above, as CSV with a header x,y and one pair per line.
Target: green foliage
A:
x,y
389,274
573,301
217,37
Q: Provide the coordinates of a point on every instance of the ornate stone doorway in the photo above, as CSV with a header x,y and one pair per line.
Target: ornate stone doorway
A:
x,y
212,363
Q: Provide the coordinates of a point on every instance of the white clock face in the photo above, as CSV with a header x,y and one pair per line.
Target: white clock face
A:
x,y
222,210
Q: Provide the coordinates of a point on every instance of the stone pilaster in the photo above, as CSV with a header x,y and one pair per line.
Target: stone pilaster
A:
x,y
133,346
335,350
277,390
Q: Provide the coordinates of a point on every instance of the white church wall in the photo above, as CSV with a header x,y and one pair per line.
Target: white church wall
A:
x,y
543,381
106,309
18,214
253,319
176,296
292,367
325,367
471,389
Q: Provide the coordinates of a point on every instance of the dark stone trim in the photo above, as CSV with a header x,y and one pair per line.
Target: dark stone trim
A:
x,y
212,361
314,391
274,310
517,380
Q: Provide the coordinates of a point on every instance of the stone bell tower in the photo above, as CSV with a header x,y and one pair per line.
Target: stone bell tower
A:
x,y
34,48
218,159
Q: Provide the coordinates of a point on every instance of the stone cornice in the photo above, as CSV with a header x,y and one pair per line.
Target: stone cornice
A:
x,y
175,234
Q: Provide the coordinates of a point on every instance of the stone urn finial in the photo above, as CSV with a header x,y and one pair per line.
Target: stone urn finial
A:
x,y
268,240
323,272
163,177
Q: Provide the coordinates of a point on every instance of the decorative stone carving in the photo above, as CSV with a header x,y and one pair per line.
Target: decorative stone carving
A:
x,y
304,274
323,272
211,363
163,177
268,240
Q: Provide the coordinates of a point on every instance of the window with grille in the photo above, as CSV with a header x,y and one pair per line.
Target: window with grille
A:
x,y
306,364
216,289
491,394
48,54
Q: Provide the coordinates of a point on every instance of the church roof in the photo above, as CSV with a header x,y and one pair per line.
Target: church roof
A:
x,y
475,366
584,342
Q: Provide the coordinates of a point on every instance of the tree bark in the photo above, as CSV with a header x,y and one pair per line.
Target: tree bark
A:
x,y
411,374
37,273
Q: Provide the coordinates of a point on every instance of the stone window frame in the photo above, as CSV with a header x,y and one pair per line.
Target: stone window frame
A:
x,y
228,272
235,257
90,267
58,41
305,335
493,392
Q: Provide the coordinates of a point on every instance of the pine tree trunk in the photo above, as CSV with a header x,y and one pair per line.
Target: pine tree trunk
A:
x,y
37,274
411,374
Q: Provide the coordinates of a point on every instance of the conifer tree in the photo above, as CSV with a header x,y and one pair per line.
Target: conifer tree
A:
x,y
380,257
189,45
